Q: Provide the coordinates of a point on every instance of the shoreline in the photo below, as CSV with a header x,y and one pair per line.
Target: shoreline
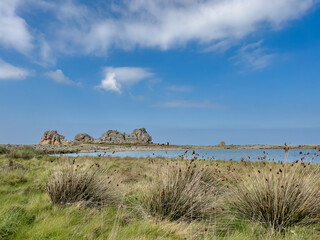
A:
x,y
89,148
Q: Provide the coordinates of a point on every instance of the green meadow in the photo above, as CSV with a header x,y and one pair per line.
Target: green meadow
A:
x,y
60,197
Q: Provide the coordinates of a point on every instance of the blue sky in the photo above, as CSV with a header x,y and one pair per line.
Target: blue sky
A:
x,y
190,71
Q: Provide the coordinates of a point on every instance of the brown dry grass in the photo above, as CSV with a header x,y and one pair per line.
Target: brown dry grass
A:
x,y
278,196
88,185
180,191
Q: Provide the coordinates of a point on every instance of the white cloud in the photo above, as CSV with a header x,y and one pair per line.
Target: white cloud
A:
x,y
253,56
189,104
13,29
167,24
109,83
45,52
162,24
59,77
220,46
10,72
115,78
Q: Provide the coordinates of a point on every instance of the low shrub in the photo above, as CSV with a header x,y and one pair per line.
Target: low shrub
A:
x,y
180,192
25,152
278,197
3,150
12,219
86,185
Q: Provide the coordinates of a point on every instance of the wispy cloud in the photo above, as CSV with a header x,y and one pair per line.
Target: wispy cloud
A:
x,y
10,72
174,23
116,78
46,53
189,104
88,29
253,56
14,31
180,88
59,77
220,46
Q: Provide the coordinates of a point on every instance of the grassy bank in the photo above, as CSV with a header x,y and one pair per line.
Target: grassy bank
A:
x,y
133,198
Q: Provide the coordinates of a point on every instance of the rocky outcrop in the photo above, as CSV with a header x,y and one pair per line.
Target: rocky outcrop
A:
x,y
112,137
83,138
142,135
53,138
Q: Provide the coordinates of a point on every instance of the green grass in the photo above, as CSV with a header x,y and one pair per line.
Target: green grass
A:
x,y
27,213
24,152
13,219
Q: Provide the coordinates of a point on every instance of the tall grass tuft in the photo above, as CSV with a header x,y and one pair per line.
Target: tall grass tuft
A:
x,y
89,186
180,191
278,197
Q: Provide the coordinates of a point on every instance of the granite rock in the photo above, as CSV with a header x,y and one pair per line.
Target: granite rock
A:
x,y
111,136
83,138
142,135
53,138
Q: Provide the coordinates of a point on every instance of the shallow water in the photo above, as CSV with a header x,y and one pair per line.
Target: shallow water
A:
x,y
221,154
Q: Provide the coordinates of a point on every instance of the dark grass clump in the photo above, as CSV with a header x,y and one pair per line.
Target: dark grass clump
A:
x,y
3,150
89,186
13,165
25,152
13,219
278,197
180,191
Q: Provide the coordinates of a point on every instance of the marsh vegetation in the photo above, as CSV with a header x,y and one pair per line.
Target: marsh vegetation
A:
x,y
91,197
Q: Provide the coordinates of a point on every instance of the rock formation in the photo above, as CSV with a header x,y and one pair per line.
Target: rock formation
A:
x,y
137,136
83,138
112,137
142,135
53,138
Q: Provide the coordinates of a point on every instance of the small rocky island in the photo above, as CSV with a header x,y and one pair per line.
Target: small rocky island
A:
x,y
138,136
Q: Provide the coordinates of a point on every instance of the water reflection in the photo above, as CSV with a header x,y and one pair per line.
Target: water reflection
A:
x,y
222,154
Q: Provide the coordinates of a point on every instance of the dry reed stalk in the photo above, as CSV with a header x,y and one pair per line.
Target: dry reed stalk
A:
x,y
180,191
90,186
278,196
